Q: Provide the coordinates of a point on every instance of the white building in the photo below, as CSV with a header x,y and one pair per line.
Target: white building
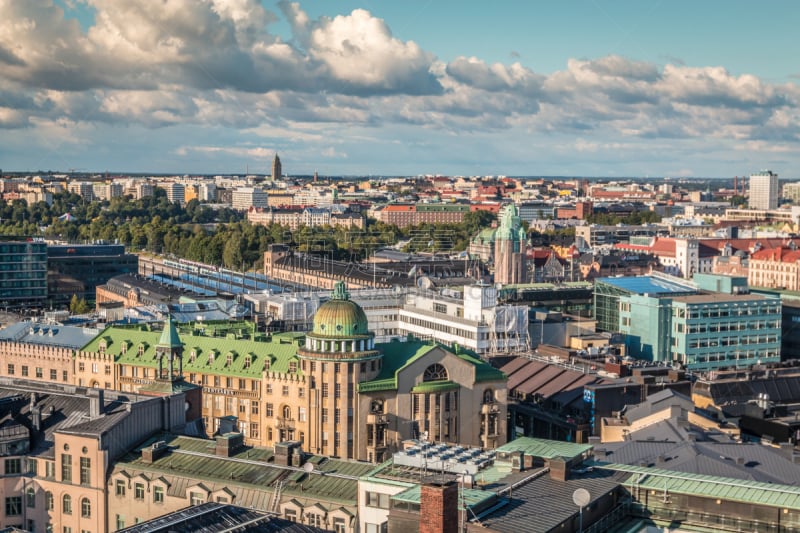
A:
x,y
176,192
243,198
764,190
470,318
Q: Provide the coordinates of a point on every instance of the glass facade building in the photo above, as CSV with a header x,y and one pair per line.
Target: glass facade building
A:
x,y
23,273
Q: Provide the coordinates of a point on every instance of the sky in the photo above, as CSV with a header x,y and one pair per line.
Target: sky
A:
x,y
608,88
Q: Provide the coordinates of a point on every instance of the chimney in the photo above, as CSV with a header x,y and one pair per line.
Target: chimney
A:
x,y
36,418
787,450
559,469
96,403
154,452
740,460
438,512
229,444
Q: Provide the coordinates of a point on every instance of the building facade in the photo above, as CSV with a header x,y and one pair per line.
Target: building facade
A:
x,y
333,389
764,190
23,273
510,243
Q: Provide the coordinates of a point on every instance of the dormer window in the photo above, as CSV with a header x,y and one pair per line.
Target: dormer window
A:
x,y
247,361
293,366
124,348
210,357
229,359
266,363
102,347
193,356
141,349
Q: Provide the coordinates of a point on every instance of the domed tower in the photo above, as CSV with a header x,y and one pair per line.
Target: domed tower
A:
x,y
339,353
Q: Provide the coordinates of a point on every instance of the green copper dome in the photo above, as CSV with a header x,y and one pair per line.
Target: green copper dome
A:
x,y
339,316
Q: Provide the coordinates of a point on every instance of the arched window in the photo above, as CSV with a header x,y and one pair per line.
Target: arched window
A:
x,y
435,372
86,508
66,504
287,412
48,500
30,497
488,396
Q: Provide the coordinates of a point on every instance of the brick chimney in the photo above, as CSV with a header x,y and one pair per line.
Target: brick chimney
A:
x,y
438,511
96,403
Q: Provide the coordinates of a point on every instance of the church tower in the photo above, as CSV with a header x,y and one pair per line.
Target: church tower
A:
x,y
509,247
277,170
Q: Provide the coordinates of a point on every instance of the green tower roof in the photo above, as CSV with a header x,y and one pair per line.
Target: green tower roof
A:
x,y
339,316
169,337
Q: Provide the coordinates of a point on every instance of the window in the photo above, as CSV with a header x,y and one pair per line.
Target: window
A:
x,y
81,366
66,504
48,501
269,388
86,508
314,519
196,498
339,525
138,491
324,390
108,370
269,410
120,522
293,366
301,414
67,529
291,515
301,392
119,487
285,390
377,528
64,376
66,467
95,367
376,499
324,415
53,375
30,497
10,369
337,390
254,434
50,469
24,371
435,372
86,471
13,466
158,494
14,506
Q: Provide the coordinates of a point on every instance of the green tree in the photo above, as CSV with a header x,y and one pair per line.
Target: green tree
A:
x,y
78,306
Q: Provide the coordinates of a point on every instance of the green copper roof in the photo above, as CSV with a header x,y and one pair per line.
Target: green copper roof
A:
x,y
169,337
247,357
340,316
740,490
398,355
546,449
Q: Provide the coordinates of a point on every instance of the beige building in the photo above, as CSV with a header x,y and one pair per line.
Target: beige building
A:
x,y
333,389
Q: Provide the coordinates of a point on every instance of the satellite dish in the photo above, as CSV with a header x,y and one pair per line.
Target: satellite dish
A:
x,y
309,467
581,497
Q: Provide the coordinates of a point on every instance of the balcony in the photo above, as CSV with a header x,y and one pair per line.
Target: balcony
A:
x,y
285,423
378,419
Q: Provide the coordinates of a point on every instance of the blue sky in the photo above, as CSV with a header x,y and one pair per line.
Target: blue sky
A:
x,y
600,88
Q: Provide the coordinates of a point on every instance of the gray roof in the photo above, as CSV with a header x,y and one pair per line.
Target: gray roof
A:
x,y
63,408
543,503
668,450
658,402
48,334
213,517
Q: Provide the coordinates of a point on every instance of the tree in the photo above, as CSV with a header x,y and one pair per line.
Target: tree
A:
x,y
78,306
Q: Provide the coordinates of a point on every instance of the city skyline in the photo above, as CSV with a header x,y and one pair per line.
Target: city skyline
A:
x,y
369,88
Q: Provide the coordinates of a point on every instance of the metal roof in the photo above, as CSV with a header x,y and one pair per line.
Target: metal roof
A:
x,y
648,285
546,449
754,492
48,334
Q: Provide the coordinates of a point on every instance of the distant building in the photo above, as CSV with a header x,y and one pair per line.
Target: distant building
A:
x,y
79,269
175,192
244,198
764,190
277,169
84,189
791,191
23,279
404,215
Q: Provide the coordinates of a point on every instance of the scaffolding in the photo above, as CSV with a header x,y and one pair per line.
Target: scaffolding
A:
x,y
508,330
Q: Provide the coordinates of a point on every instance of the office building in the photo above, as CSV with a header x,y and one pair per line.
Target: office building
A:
x,y
23,273
78,269
243,198
764,190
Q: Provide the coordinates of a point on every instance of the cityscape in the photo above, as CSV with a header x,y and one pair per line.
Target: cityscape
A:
x,y
330,267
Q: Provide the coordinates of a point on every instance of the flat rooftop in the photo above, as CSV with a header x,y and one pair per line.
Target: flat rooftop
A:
x,y
648,285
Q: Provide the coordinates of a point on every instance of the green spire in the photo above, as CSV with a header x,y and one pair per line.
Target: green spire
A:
x,y
340,291
169,337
